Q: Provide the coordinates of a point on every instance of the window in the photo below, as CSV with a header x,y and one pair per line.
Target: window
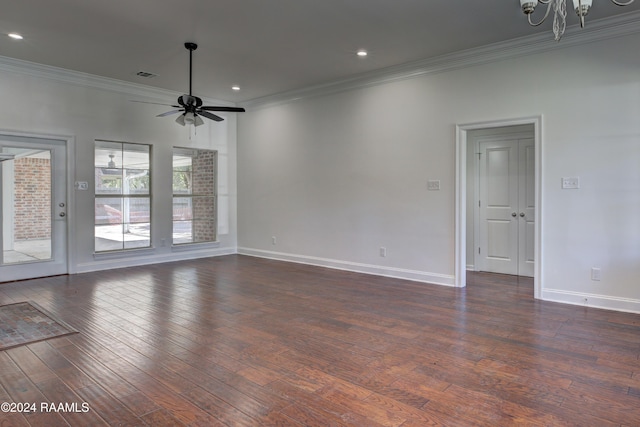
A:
x,y
194,196
122,196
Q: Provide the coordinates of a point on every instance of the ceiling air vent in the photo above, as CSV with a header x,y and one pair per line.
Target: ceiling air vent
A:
x,y
145,74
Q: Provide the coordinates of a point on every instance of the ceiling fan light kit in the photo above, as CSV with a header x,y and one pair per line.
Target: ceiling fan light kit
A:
x,y
560,12
191,106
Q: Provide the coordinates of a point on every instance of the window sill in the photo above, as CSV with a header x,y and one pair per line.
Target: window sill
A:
x,y
124,253
194,246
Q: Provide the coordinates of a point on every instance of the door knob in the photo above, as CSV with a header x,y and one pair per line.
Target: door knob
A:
x,y
513,214
522,214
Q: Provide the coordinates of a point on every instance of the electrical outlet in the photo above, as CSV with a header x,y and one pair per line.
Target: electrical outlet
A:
x,y
596,274
383,251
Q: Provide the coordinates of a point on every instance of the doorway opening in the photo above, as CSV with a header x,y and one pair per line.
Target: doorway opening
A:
x,y
498,221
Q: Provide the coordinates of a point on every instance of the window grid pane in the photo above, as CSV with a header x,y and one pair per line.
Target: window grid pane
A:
x,y
122,199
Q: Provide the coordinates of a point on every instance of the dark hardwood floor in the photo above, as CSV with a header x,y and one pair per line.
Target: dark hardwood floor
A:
x,y
242,341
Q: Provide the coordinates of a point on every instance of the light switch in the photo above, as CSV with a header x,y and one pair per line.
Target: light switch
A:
x,y
433,184
571,183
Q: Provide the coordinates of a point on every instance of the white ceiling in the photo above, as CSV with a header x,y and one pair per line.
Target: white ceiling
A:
x,y
265,46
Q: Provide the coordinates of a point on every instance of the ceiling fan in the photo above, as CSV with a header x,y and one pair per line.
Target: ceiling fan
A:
x,y
191,106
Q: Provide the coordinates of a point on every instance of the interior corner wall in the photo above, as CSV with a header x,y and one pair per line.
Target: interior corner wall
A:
x,y
333,179
56,107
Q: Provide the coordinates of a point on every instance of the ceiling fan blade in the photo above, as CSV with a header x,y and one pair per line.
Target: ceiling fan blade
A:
x,y
154,103
229,109
168,113
210,116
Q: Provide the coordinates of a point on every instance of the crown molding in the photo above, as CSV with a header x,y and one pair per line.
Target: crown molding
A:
x,y
603,29
77,78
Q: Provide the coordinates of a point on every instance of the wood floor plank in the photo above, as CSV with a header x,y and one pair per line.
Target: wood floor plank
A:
x,y
10,419
21,389
30,364
161,417
72,407
309,405
242,341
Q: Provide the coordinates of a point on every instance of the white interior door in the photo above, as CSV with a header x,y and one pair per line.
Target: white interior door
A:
x,y
498,205
33,202
507,170
526,207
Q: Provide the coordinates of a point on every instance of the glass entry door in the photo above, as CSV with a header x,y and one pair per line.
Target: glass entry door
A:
x,y
33,202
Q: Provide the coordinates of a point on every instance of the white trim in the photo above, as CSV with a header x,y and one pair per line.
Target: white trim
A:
x,y
629,305
461,194
124,259
189,247
377,270
147,93
460,236
71,205
602,29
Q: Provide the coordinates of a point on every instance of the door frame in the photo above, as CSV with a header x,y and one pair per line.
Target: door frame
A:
x,y
69,142
460,255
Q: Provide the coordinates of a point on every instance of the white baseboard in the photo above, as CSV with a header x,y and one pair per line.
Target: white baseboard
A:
x,y
147,257
592,300
398,273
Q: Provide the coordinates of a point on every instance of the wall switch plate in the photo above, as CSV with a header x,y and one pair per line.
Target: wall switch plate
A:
x,y
383,251
571,183
433,185
274,240
596,274
82,185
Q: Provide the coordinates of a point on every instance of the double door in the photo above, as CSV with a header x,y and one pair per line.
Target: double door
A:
x,y
33,228
507,206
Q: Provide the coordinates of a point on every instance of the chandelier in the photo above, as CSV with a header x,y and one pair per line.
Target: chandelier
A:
x,y
560,12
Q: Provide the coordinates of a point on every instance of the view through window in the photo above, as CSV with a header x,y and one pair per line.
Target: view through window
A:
x,y
122,196
194,196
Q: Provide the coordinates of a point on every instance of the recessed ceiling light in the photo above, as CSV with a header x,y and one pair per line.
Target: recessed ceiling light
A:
x,y
362,53
236,88
15,36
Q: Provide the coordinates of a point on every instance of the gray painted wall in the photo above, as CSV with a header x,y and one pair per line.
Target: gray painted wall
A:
x,y
336,177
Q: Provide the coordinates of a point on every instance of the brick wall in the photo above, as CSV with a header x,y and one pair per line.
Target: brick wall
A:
x,y
204,184
32,201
